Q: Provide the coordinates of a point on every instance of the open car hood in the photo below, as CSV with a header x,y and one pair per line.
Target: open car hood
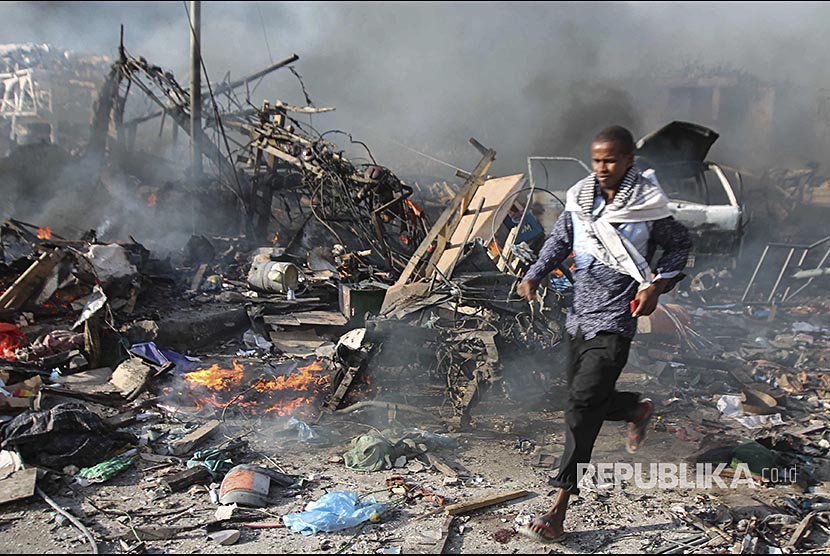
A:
x,y
677,142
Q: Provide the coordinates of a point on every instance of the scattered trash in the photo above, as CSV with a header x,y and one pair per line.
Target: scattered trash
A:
x,y
334,511
226,537
107,469
731,406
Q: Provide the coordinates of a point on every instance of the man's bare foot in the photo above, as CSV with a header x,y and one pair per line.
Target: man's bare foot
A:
x,y
639,426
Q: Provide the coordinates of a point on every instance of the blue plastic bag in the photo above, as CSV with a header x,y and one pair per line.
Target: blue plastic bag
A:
x,y
148,351
333,512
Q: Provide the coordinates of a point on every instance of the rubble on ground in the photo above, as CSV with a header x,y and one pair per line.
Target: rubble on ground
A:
x,y
363,379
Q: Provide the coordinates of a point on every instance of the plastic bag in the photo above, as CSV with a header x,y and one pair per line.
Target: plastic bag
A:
x,y
304,432
333,512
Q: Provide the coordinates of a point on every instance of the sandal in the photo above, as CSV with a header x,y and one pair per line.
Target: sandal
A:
x,y
545,533
637,429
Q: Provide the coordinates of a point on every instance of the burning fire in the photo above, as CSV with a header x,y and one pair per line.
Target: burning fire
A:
x,y
276,238
304,382
151,200
44,233
217,378
299,388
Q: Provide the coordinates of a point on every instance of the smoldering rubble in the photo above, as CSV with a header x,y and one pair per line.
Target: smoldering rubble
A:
x,y
335,359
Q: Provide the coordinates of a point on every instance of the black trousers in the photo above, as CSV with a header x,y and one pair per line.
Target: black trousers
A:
x,y
593,369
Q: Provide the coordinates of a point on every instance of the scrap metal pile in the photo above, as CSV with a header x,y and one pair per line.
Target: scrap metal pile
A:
x,y
378,236
341,296
361,205
344,246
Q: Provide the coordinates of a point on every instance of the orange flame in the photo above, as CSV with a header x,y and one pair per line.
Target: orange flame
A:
x,y
301,387
151,200
44,233
276,238
301,381
217,378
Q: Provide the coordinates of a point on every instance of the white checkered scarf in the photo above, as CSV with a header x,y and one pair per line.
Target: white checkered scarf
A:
x,y
638,199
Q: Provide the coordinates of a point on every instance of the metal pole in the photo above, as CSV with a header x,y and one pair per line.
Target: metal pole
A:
x,y
196,90
755,274
780,275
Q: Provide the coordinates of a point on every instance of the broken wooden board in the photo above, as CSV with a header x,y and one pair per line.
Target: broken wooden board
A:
x,y
446,527
18,485
94,381
298,343
471,225
184,479
131,375
193,439
478,503
314,318
28,283
398,294
435,241
197,278
799,533
441,466
10,405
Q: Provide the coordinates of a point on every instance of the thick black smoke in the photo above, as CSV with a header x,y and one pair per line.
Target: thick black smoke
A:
x,y
524,79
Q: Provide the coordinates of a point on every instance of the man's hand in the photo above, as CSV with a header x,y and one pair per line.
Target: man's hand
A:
x,y
527,288
647,299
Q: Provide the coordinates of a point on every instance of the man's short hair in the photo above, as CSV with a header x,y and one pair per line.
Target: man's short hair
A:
x,y
619,135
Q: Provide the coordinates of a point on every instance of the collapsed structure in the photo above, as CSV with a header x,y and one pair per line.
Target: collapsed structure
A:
x,y
334,292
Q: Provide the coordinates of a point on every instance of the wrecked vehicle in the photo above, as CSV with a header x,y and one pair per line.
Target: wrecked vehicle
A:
x,y
705,196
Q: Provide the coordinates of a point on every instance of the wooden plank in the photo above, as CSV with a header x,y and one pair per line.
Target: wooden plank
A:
x,y
453,225
184,479
27,283
322,318
18,485
478,503
190,441
490,195
799,532
810,430
197,278
296,342
441,466
446,527
131,375
444,224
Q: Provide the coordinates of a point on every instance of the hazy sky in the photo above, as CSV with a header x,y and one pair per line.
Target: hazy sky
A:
x,y
430,75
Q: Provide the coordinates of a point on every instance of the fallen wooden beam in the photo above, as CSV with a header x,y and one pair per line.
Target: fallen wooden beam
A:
x,y
27,283
446,527
478,503
799,532
480,223
190,441
441,466
313,318
181,481
18,485
448,221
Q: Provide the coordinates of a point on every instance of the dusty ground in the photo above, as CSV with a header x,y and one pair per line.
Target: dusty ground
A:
x,y
489,459
495,455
